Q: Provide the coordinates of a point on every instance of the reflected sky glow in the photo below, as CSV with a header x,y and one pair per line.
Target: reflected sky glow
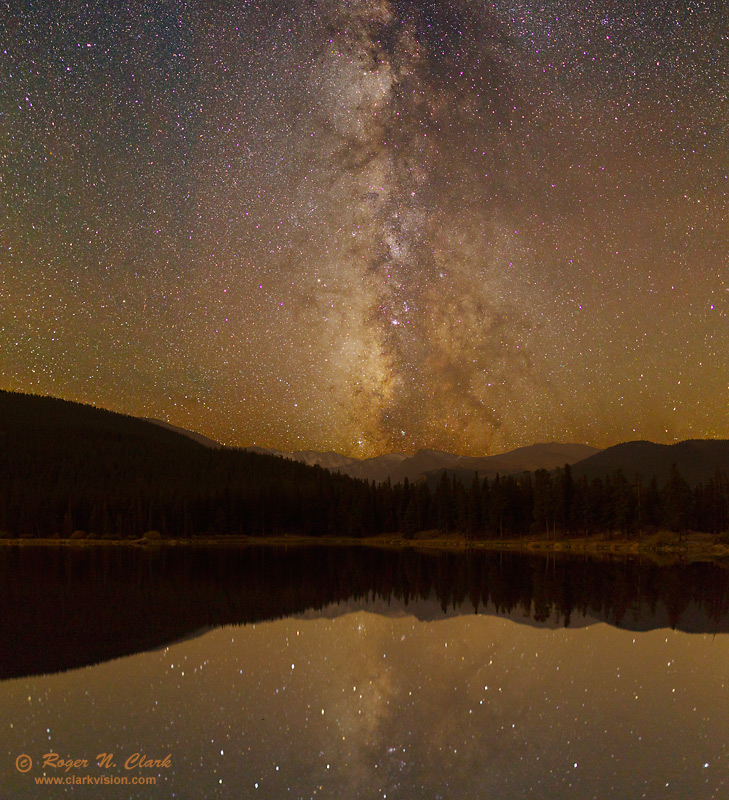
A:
x,y
363,705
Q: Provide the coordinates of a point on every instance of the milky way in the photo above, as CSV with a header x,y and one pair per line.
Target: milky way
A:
x,y
370,226
430,319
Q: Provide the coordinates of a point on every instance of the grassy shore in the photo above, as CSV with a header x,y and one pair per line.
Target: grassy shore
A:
x,y
662,546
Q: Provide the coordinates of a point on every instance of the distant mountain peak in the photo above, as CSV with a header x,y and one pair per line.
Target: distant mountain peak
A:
x,y
398,466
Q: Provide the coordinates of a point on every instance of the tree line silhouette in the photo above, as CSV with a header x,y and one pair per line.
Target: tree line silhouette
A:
x,y
66,468
77,606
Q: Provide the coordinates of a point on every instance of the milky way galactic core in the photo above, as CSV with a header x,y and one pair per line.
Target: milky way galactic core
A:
x,y
370,226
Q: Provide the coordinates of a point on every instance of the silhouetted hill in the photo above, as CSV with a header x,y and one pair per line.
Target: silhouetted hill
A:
x,y
67,467
31,416
696,459
197,437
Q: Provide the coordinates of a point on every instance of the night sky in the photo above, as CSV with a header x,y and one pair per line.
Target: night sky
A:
x,y
370,226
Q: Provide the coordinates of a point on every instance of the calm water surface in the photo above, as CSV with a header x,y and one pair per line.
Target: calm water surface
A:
x,y
343,673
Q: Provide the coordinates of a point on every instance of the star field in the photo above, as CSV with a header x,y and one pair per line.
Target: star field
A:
x,y
371,225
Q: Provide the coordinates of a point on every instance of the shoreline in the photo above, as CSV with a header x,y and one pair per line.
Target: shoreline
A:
x,y
663,547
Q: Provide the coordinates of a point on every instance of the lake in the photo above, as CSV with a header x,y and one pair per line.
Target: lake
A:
x,y
349,672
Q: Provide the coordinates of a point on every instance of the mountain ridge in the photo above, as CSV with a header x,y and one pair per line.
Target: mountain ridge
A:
x,y
697,460
194,435
398,466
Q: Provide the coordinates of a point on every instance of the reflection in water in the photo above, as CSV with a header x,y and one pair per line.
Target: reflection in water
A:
x,y
62,607
354,673
363,705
